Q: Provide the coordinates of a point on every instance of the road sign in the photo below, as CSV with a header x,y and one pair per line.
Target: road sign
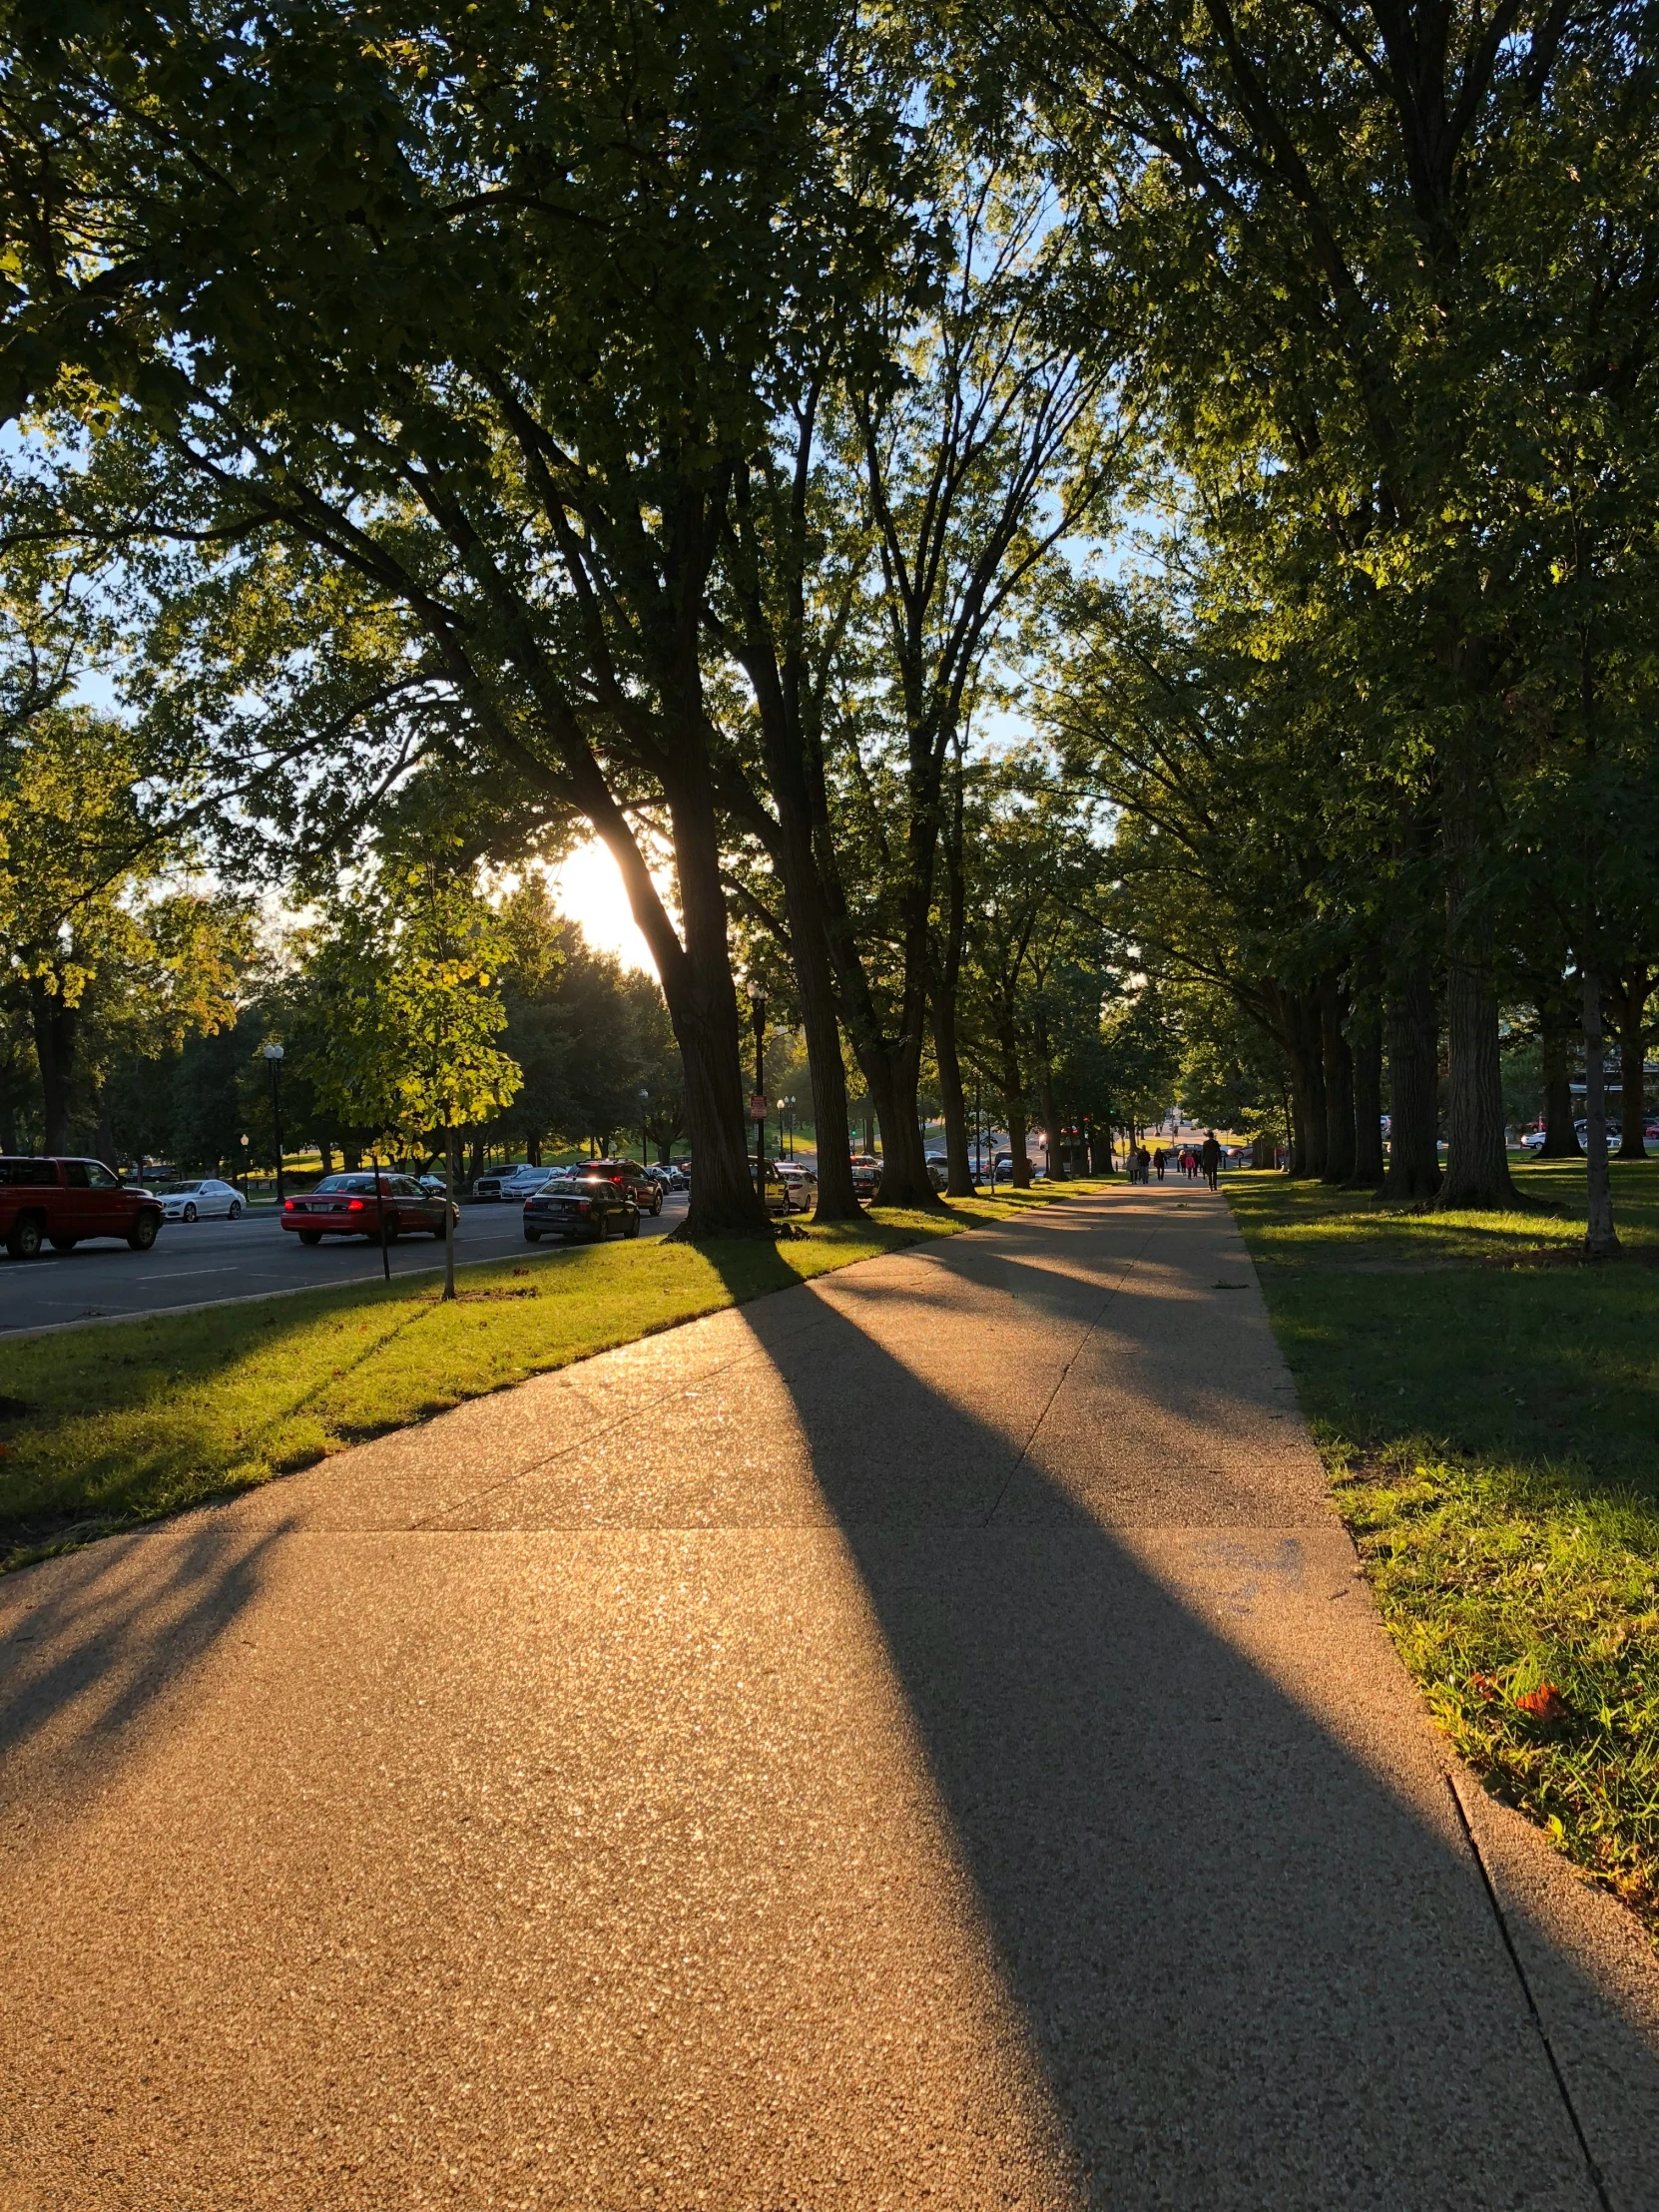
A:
x,y
757,1106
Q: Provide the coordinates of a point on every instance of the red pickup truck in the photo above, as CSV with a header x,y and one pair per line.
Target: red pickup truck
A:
x,y
60,1202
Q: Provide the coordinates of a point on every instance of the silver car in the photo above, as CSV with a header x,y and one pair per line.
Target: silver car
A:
x,y
209,1200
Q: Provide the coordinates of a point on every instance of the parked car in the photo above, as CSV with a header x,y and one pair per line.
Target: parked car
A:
x,y
489,1184
433,1186
775,1193
867,1174
62,1203
1533,1141
800,1185
584,1205
203,1201
630,1176
938,1170
670,1175
348,1206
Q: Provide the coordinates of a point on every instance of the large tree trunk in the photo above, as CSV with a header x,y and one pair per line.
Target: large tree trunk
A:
x,y
1600,1239
695,968
810,954
1478,1166
1337,1061
1414,1090
1367,1040
56,1027
1627,995
1556,1034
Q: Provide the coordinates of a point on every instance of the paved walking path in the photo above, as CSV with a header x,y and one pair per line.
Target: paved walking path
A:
x,y
918,1740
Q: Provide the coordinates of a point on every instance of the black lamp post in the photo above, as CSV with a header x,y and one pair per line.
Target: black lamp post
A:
x,y
645,1135
273,1061
757,1007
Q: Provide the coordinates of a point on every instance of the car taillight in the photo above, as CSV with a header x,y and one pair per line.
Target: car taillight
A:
x,y
287,1205
354,1206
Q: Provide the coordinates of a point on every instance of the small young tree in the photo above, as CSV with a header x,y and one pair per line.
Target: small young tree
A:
x,y
405,976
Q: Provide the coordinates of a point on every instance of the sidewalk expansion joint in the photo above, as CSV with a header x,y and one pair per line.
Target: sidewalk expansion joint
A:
x,y
1597,2181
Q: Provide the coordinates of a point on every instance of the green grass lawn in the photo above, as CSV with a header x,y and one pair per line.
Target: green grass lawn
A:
x,y
107,1425
1488,1410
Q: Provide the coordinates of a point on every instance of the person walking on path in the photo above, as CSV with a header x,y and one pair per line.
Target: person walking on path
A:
x,y
1158,1162
1212,1160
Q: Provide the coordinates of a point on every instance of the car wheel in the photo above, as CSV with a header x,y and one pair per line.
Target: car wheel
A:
x,y
63,1244
633,1228
311,1235
142,1234
25,1240
532,1236
190,1213
236,1210
656,1204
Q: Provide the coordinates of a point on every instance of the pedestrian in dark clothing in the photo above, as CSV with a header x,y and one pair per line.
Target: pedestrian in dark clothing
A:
x,y
1158,1162
1212,1160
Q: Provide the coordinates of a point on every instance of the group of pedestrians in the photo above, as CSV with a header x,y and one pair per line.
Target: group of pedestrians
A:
x,y
1192,1161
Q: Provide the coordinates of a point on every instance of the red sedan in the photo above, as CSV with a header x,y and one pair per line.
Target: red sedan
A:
x,y
348,1206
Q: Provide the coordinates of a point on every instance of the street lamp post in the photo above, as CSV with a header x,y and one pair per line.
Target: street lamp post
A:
x,y
645,1135
273,1061
246,1199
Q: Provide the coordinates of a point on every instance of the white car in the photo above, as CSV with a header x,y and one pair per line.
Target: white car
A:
x,y
800,1182
203,1201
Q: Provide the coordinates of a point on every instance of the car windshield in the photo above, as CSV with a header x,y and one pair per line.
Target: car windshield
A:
x,y
362,1185
584,1184
181,1189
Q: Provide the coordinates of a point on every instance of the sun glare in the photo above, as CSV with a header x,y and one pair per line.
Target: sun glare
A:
x,y
587,886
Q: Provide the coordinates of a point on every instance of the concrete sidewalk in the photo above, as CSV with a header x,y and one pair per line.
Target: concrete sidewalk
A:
x,y
915,1740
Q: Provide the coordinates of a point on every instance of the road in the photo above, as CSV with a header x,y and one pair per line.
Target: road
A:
x,y
917,1739
193,1263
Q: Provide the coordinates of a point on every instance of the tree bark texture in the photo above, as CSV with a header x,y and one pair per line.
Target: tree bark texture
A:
x,y
1477,1165
1365,1040
1555,1036
56,1026
1600,1238
695,967
1414,1175
1336,1063
1299,1031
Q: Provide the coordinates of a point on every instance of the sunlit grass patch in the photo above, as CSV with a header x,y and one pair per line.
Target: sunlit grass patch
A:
x,y
1492,1434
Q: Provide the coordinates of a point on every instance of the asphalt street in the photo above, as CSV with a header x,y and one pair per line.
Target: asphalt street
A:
x,y
916,1739
195,1263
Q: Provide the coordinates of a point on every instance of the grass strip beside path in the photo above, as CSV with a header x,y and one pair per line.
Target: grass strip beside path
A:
x,y
110,1425
1489,1411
